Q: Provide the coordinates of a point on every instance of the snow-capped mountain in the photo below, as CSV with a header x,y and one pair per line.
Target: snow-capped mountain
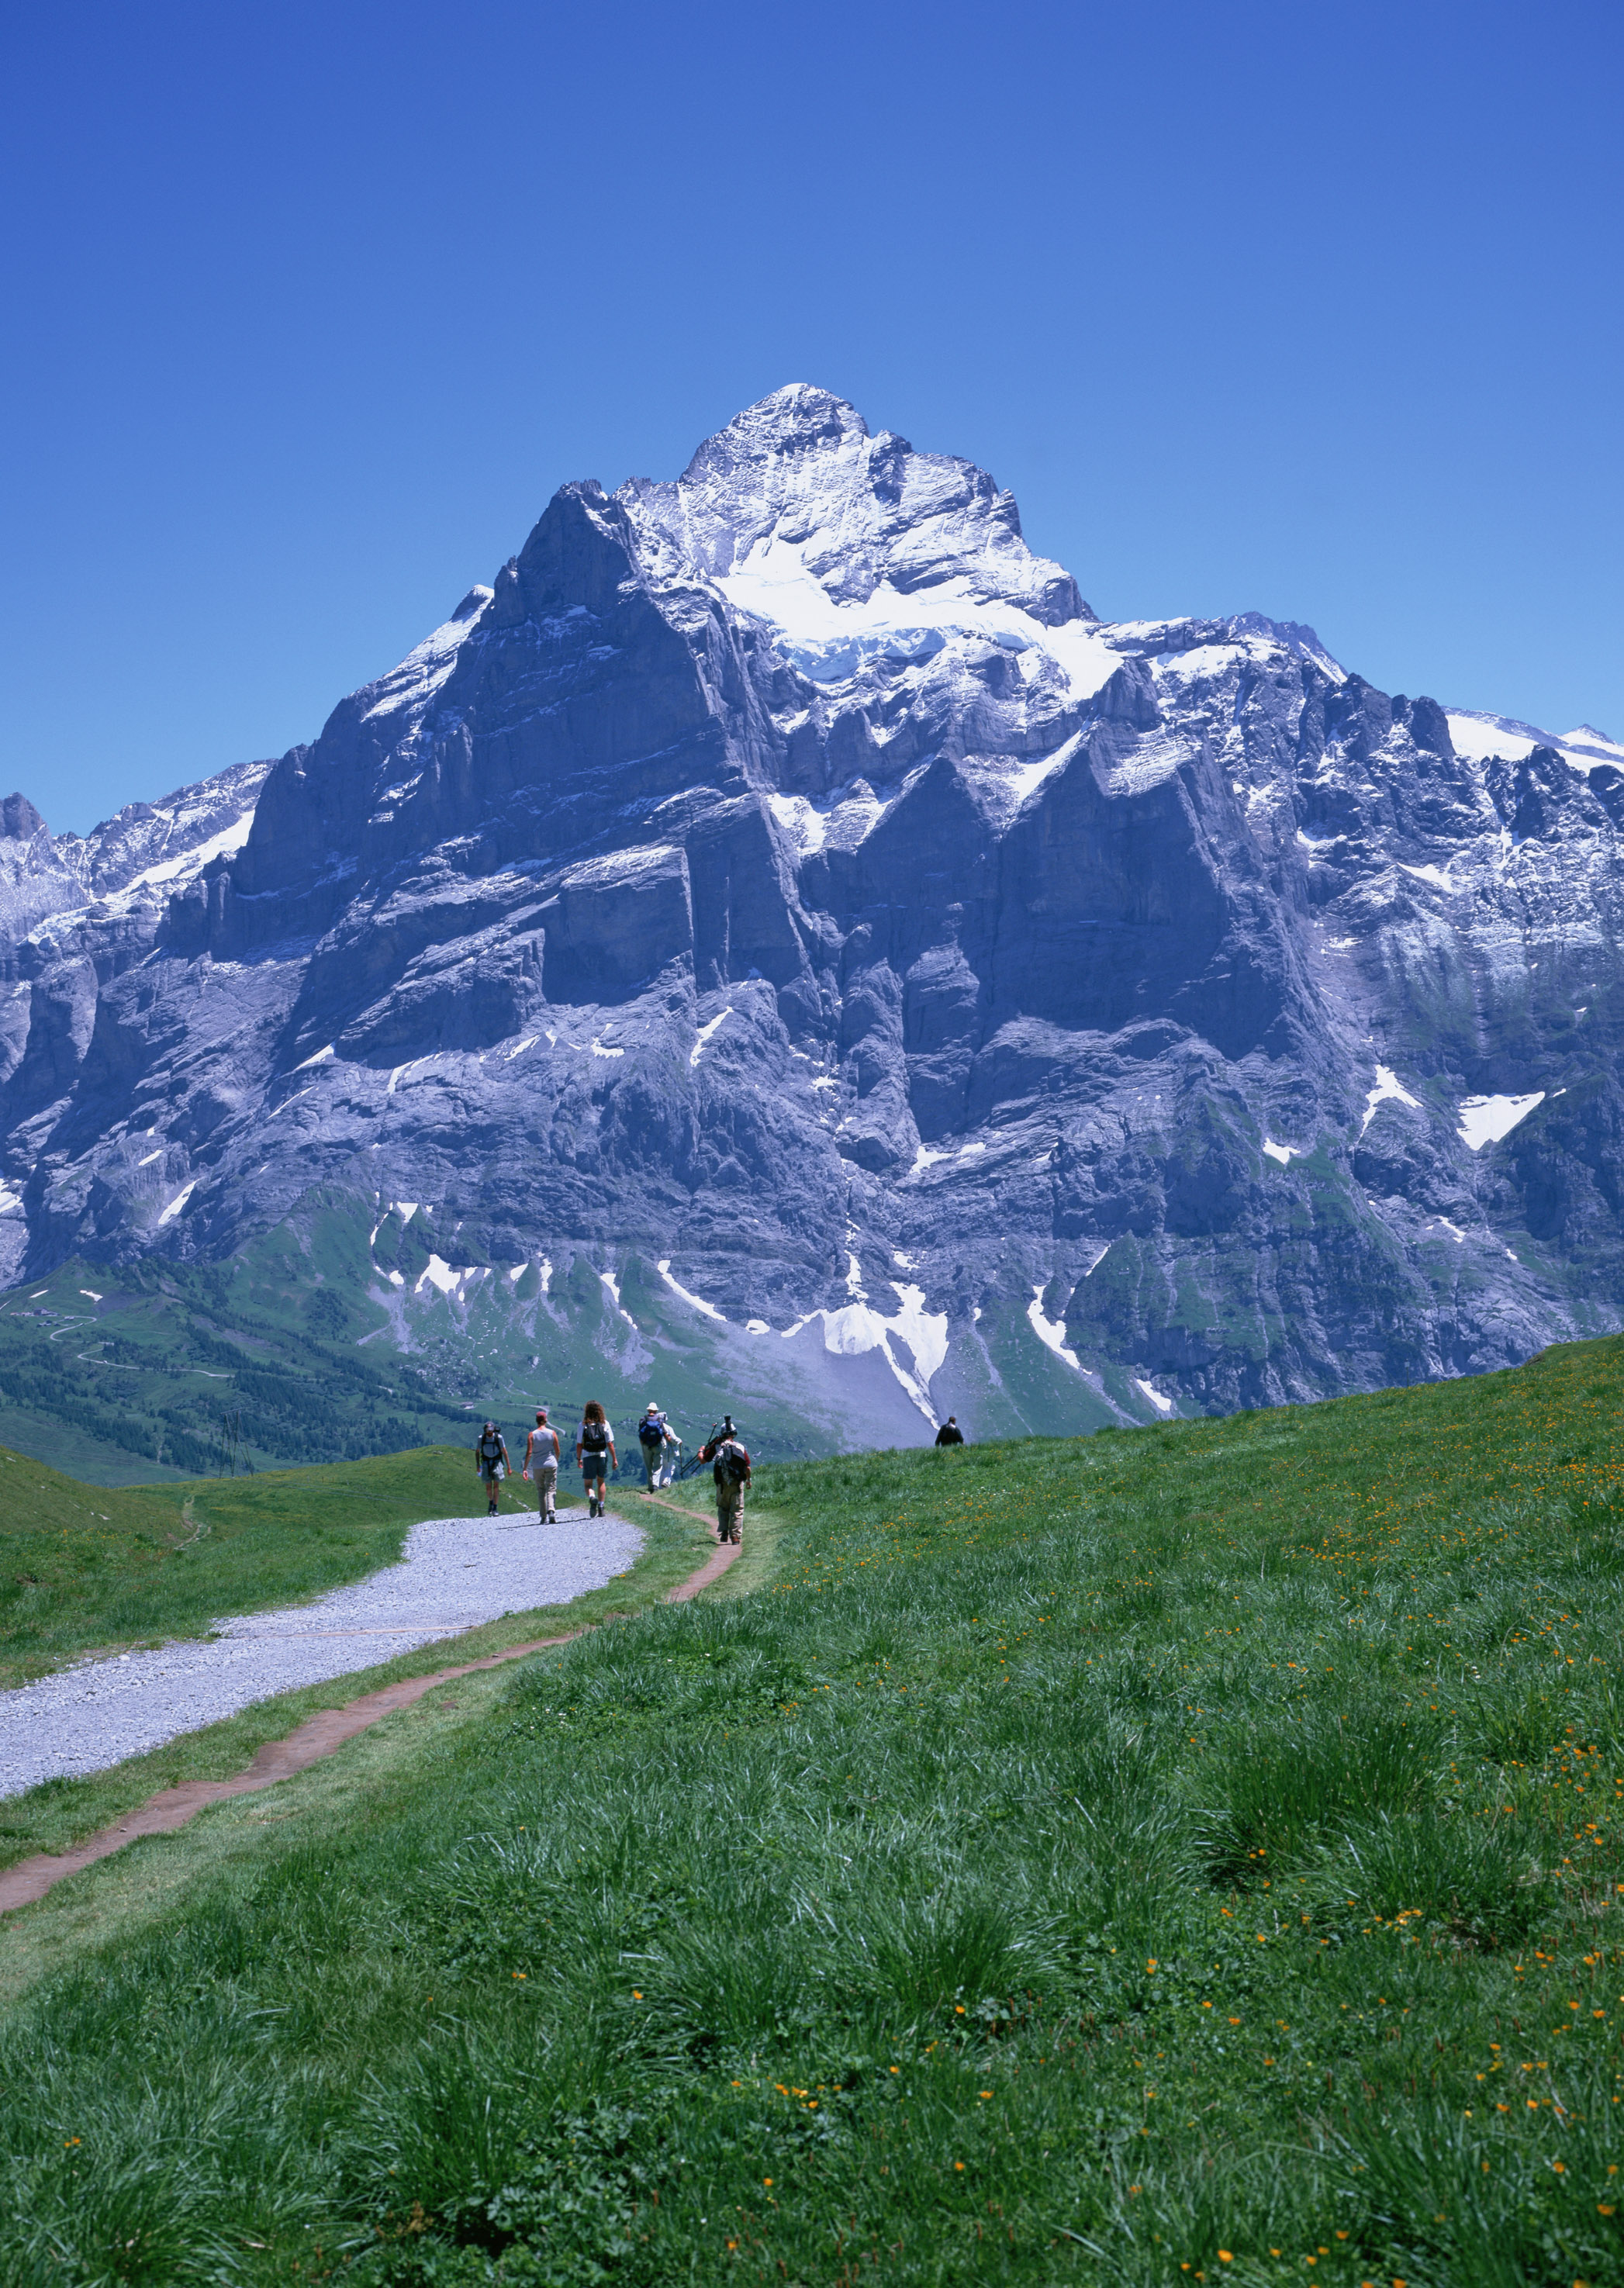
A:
x,y
781,892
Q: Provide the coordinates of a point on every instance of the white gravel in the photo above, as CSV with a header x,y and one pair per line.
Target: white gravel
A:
x,y
454,1573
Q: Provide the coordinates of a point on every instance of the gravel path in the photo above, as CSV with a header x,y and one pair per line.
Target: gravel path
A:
x,y
455,1573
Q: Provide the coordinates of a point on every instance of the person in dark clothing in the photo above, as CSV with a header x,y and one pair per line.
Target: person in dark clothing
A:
x,y
950,1433
731,1469
491,1460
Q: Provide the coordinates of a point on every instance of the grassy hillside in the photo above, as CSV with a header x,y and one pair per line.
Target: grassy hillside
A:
x,y
153,1372
1182,1854
84,1567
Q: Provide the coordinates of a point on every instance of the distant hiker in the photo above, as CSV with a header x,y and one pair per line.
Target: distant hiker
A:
x,y
541,1458
491,1460
731,1469
594,1453
655,1434
950,1433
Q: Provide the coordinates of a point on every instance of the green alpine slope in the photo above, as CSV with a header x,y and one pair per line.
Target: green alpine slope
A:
x,y
1189,1853
357,1327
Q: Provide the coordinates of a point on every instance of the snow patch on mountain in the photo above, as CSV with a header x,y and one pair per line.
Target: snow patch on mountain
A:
x,y
857,1327
1504,738
170,872
1389,1090
830,638
706,1034
1486,1119
694,1302
612,1288
1051,1332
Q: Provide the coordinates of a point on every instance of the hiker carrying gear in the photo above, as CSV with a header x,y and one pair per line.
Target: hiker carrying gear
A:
x,y
655,1434
491,1460
731,1469
594,1453
542,1454
950,1433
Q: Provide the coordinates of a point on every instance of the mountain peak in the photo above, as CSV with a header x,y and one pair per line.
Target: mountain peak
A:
x,y
798,489
19,819
799,414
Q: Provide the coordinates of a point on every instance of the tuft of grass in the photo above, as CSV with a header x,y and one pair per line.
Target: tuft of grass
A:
x,y
1179,1854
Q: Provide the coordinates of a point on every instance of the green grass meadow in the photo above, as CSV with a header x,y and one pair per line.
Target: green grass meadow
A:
x,y
1181,1853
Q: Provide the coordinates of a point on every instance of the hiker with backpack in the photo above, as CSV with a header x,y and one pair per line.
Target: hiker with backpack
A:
x,y
490,1456
594,1454
542,1459
655,1434
731,1469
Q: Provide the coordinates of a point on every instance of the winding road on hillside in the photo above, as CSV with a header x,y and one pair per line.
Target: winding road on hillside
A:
x,y
317,1736
453,1574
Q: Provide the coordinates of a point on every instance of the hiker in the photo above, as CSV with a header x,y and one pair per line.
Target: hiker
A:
x,y
541,1456
732,1472
594,1453
950,1433
491,1460
655,1434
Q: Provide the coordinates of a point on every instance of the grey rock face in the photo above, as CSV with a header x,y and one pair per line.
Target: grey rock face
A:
x,y
780,876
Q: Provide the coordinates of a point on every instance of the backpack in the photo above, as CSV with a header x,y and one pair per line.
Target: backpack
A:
x,y
490,1446
651,1430
595,1437
733,1463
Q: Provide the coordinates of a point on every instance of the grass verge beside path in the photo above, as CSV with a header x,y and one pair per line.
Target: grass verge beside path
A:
x,y
84,1568
760,1550
62,1811
1184,1854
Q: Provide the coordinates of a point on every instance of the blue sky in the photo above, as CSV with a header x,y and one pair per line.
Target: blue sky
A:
x,y
1309,309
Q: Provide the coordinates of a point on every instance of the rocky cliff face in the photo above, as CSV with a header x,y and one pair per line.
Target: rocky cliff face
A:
x,y
780,903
